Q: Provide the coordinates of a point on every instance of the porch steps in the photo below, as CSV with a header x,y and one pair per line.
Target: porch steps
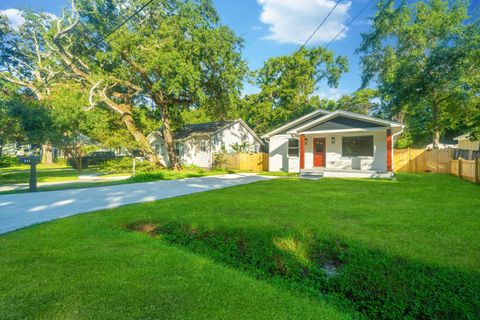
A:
x,y
311,175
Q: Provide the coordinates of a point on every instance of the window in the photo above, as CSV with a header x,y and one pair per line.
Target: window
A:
x,y
357,146
203,146
179,149
293,147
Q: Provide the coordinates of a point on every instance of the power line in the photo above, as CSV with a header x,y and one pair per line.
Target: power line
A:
x,y
97,43
319,26
349,23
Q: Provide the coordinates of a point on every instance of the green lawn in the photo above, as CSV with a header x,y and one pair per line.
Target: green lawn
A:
x,y
26,167
43,175
69,175
398,249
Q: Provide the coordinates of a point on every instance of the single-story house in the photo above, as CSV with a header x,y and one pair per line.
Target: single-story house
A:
x,y
465,143
337,143
196,144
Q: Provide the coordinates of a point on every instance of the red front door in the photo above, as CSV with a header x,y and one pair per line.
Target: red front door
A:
x,y
319,152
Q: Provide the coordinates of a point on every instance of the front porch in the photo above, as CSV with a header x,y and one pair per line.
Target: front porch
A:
x,y
346,153
320,172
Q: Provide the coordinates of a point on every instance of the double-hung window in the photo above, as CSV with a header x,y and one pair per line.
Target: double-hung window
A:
x,y
293,147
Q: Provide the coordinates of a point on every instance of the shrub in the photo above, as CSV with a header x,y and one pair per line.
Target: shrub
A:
x,y
8,161
148,176
220,161
125,165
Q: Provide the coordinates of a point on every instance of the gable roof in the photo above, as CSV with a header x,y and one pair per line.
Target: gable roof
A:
x,y
346,114
201,129
320,116
206,129
298,122
464,136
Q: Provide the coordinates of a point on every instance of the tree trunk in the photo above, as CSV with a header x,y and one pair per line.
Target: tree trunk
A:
x,y
47,153
141,139
168,139
435,126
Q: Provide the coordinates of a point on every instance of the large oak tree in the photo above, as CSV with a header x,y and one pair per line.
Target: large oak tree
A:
x,y
424,56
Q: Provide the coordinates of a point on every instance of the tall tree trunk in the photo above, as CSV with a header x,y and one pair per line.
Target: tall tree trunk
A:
x,y
168,139
141,139
47,153
435,126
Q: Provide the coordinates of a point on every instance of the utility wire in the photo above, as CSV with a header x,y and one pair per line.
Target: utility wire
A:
x,y
97,43
319,26
349,23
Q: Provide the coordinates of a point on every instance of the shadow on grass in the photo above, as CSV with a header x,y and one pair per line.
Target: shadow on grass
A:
x,y
375,283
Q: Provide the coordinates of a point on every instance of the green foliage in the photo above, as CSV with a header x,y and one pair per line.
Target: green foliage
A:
x,y
423,56
25,120
361,101
220,160
8,161
125,165
287,84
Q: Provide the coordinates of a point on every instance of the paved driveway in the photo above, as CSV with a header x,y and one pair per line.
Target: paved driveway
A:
x,y
22,210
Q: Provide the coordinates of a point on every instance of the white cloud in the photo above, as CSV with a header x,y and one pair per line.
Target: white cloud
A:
x,y
293,21
331,93
14,17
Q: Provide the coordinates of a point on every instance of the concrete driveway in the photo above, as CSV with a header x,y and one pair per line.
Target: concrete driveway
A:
x,y
22,210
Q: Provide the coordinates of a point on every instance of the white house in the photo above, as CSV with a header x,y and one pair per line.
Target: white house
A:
x,y
338,143
196,143
465,143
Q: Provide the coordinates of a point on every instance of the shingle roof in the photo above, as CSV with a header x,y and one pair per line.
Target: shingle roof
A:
x,y
200,128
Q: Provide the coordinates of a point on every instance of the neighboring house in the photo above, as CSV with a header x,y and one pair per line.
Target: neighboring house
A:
x,y
465,143
338,143
196,144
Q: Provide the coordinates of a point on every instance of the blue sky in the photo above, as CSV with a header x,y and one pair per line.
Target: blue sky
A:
x,y
276,27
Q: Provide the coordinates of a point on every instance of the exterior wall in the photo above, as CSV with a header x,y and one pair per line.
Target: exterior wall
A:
x,y
159,147
234,134
279,160
192,153
278,153
468,145
335,160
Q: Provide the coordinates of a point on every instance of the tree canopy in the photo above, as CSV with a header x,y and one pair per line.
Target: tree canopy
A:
x,y
287,85
423,56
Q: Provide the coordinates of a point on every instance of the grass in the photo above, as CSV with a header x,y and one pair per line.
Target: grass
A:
x,y
43,175
402,249
26,167
69,175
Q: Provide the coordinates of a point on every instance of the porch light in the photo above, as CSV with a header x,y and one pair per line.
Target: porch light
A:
x,y
306,140
333,140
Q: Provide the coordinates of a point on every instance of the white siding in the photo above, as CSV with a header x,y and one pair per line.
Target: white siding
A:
x,y
279,160
335,160
192,153
234,134
278,153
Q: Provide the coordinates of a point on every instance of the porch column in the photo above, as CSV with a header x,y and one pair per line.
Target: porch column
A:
x,y
389,150
302,151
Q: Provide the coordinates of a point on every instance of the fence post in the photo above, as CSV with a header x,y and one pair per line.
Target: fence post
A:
x,y
459,167
477,178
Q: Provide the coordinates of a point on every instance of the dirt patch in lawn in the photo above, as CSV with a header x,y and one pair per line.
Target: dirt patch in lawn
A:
x,y
290,255
374,282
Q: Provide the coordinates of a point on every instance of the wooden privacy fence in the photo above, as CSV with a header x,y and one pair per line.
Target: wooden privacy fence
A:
x,y
438,161
466,169
421,160
255,162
